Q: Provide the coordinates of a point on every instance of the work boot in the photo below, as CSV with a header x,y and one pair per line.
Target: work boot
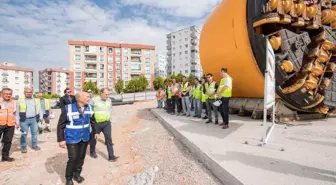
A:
x,y
36,148
208,122
113,159
69,182
78,178
93,155
8,159
225,127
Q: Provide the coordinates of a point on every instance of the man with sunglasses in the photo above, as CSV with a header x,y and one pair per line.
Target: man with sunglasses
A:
x,y
67,98
211,88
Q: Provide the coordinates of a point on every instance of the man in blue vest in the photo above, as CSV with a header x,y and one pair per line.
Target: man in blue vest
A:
x,y
102,106
73,133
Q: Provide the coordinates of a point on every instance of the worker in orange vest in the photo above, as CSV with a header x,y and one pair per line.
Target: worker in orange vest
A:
x,y
7,122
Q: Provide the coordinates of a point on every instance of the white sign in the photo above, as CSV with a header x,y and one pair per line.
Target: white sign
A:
x,y
269,77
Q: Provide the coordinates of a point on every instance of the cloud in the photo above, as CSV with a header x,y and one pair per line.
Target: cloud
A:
x,y
35,34
185,8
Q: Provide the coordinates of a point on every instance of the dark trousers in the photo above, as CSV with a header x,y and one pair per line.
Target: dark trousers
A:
x,y
169,105
225,110
76,155
7,133
176,102
106,128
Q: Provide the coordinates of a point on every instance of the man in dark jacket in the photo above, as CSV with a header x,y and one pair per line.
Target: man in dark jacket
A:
x,y
73,132
67,98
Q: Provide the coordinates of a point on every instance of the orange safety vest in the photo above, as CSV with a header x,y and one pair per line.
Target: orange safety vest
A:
x,y
7,114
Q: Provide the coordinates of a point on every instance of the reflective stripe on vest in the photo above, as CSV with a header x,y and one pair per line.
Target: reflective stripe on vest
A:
x,y
198,92
209,89
102,110
7,113
228,91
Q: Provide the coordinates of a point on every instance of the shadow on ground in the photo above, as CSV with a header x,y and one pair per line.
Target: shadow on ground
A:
x,y
278,166
57,165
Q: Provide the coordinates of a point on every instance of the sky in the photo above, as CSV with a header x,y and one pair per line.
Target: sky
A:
x,y
35,33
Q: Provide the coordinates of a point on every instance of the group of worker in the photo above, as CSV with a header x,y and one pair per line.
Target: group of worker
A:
x,y
184,97
78,114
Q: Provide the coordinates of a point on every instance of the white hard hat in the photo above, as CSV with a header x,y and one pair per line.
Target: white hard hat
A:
x,y
217,103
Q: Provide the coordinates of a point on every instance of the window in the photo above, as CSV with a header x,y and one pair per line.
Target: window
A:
x,y
173,54
77,57
173,48
77,48
125,50
180,53
110,75
186,52
126,59
180,47
16,78
110,67
148,60
110,59
102,75
186,39
77,66
117,51
173,36
110,50
78,75
186,45
87,49
101,49
186,71
118,67
117,59
101,66
102,58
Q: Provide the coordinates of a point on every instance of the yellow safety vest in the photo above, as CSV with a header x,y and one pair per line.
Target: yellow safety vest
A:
x,y
169,92
204,97
102,109
23,108
185,86
46,104
210,87
228,92
198,92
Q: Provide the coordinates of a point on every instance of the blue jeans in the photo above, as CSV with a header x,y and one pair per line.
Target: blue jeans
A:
x,y
32,124
198,107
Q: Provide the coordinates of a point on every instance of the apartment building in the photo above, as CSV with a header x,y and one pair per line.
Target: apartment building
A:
x,y
16,78
161,66
54,81
183,52
104,63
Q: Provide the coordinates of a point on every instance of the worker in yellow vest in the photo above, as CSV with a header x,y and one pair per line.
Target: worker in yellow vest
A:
x,y
102,107
46,110
186,87
204,98
197,94
28,113
211,88
168,97
225,92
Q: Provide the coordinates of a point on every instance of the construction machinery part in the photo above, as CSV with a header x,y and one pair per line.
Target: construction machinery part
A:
x,y
302,35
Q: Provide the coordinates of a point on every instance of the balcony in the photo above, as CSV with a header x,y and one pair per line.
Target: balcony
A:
x,y
90,58
135,51
4,74
169,53
169,58
26,82
193,55
193,47
168,36
194,42
168,42
90,75
59,75
168,47
91,67
5,81
194,35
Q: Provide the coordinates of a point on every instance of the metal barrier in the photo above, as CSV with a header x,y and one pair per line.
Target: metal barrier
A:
x,y
135,96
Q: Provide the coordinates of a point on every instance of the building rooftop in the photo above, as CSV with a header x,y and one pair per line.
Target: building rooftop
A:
x,y
12,66
107,44
65,70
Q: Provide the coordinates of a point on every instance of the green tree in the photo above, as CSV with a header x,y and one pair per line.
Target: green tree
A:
x,y
179,77
47,96
131,86
119,86
173,76
158,82
55,96
191,79
143,83
168,79
91,86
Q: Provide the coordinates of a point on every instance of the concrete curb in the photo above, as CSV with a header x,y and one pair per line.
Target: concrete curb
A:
x,y
224,176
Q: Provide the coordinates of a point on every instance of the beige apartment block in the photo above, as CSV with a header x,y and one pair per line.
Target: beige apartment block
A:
x,y
104,63
54,81
16,78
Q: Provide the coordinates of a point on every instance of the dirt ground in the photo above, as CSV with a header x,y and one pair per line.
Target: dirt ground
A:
x,y
148,155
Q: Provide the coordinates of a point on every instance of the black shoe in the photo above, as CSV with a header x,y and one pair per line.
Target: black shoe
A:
x,y
208,122
112,159
36,148
195,116
93,155
78,178
47,130
216,122
69,182
8,159
205,117
40,131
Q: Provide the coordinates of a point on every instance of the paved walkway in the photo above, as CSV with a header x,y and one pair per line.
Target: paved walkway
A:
x,y
308,159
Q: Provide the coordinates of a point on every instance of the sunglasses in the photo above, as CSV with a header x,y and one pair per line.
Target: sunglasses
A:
x,y
68,92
